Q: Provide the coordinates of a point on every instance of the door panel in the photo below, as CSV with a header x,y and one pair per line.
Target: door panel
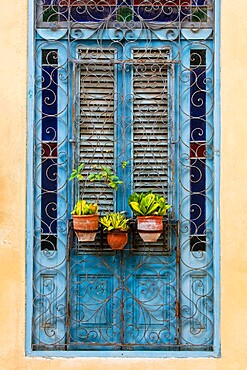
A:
x,y
95,300
127,298
150,300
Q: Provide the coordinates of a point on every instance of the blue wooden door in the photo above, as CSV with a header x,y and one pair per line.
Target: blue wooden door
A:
x,y
128,89
125,299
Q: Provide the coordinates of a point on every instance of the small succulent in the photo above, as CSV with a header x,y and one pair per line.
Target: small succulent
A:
x,y
114,221
148,204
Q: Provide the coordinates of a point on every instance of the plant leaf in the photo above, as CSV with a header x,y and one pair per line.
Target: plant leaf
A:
x,y
152,210
136,208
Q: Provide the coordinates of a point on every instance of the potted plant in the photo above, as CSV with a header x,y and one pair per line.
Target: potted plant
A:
x,y
149,209
116,225
84,214
85,220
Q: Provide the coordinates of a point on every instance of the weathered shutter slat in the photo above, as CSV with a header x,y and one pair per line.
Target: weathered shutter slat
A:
x,y
150,129
97,84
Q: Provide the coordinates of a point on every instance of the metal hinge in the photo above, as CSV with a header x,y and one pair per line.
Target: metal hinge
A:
x,y
68,314
68,255
177,309
178,256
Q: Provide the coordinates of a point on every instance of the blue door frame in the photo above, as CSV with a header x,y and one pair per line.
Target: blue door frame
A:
x,y
58,258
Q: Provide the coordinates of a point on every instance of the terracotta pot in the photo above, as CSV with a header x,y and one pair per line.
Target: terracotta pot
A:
x,y
83,225
117,239
149,223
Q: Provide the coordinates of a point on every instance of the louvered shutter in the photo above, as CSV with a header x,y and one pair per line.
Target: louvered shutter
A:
x,y
97,86
150,120
98,104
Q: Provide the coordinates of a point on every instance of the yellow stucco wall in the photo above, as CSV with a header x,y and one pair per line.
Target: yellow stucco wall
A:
x,y
13,71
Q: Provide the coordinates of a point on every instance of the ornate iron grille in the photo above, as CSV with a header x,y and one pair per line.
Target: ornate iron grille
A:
x,y
124,81
124,301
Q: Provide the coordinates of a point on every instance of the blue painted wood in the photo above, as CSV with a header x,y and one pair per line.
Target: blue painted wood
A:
x,y
61,271
125,354
47,34
196,268
29,204
95,302
150,302
50,209
202,34
86,329
217,143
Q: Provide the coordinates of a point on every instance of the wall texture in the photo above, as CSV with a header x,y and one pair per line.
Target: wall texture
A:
x,y
13,82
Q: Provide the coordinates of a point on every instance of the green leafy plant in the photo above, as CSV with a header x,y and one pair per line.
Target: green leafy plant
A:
x,y
106,175
114,221
76,173
101,174
124,164
83,208
148,204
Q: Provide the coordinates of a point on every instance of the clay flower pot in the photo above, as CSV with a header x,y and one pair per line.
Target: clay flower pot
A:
x,y
117,239
149,223
86,227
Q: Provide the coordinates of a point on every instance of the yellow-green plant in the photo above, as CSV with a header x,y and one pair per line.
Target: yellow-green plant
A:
x,y
114,221
148,204
83,208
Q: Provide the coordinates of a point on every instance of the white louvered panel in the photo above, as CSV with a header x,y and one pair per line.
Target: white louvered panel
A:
x,y
97,84
150,131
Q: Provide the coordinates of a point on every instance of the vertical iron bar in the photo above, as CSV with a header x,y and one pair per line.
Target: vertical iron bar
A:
x,y
68,251
122,254
178,313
